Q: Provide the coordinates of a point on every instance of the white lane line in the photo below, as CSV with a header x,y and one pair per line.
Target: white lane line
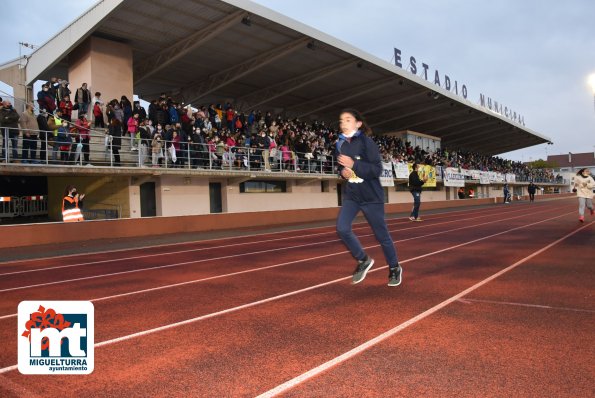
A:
x,y
389,333
218,247
269,266
231,245
545,307
274,298
299,231
222,258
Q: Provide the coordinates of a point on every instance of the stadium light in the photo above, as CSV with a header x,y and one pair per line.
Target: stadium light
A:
x,y
26,45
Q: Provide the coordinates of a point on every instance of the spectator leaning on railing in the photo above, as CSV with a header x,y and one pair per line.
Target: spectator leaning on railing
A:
x,y
29,128
66,107
157,148
44,134
115,140
63,143
9,121
83,128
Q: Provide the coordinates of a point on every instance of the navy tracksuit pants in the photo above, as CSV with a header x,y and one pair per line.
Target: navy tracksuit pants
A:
x,y
374,213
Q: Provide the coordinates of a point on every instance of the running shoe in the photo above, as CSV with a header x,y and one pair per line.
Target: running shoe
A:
x,y
394,276
363,266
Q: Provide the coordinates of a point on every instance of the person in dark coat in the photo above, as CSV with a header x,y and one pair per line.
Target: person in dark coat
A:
x,y
115,132
531,189
360,166
461,193
45,99
415,186
506,194
9,120
44,132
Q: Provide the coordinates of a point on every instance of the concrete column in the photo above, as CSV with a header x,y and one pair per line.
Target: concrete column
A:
x,y
105,65
14,76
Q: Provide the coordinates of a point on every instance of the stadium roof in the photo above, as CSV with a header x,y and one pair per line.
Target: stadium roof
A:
x,y
209,51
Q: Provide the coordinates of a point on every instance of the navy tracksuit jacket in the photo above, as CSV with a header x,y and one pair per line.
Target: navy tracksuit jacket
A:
x,y
367,166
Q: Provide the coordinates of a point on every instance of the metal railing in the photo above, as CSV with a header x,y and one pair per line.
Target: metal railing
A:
x,y
102,149
8,207
23,206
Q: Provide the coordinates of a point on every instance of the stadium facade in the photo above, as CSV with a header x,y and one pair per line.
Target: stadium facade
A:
x,y
214,51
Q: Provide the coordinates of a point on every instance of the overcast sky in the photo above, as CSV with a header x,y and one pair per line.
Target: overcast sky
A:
x,y
533,56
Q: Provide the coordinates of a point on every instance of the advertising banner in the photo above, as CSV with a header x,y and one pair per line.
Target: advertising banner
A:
x,y
426,171
453,177
484,178
386,178
401,170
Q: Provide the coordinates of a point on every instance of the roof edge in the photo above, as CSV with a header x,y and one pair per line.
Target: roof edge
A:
x,y
350,49
59,45
11,63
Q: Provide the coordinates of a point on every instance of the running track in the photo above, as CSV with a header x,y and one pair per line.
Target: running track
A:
x,y
495,302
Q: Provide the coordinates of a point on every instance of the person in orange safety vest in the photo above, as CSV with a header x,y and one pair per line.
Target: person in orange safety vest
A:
x,y
71,205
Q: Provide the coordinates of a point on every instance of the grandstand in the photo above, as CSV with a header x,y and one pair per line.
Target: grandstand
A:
x,y
239,53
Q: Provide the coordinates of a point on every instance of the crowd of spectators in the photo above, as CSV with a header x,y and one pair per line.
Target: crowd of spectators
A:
x,y
396,149
218,135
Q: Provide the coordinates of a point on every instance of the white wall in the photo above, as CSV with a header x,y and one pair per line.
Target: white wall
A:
x,y
306,196
177,195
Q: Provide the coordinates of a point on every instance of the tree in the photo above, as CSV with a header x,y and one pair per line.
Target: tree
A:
x,y
542,164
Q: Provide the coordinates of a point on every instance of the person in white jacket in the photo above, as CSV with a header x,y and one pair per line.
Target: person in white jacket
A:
x,y
583,186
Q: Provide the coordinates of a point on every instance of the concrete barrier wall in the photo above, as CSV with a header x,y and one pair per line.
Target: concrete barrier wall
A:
x,y
58,232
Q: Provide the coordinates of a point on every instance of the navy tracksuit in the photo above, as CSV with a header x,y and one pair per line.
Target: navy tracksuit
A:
x,y
367,196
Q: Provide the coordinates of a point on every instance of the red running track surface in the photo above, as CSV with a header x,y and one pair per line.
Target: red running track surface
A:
x,y
494,302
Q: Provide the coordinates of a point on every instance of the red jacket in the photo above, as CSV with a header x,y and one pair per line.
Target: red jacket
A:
x,y
82,126
66,108
97,110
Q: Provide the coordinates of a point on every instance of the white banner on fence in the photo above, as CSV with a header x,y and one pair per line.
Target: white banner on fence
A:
x,y
475,174
401,170
510,178
386,178
453,178
484,178
439,173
